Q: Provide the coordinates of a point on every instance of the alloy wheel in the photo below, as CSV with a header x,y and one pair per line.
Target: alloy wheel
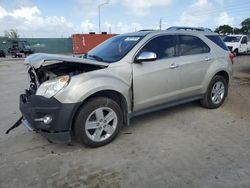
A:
x,y
218,92
101,124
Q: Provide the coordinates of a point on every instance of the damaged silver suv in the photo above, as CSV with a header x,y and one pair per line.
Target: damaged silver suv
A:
x,y
92,97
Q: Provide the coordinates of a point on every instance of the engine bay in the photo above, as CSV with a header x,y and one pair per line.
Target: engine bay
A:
x,y
53,70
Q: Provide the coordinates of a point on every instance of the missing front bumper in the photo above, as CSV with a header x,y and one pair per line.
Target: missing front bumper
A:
x,y
56,137
35,107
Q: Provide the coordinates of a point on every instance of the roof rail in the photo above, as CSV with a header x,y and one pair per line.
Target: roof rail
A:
x,y
145,30
176,28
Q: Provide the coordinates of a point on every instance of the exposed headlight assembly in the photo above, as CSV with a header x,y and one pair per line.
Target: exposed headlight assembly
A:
x,y
51,87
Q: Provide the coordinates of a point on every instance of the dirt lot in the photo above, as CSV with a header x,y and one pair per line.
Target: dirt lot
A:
x,y
184,146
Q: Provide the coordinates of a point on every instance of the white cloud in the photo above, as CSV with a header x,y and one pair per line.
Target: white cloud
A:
x,y
142,7
30,23
121,27
205,13
89,8
196,14
3,12
87,26
25,12
225,19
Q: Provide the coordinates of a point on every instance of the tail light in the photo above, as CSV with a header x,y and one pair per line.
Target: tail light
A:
x,y
231,57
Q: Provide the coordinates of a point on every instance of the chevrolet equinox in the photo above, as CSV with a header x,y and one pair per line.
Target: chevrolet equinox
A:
x,y
91,97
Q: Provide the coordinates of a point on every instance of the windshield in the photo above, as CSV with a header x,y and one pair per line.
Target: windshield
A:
x,y
232,39
113,49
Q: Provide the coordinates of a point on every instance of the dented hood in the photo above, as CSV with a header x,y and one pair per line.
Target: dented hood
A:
x,y
36,60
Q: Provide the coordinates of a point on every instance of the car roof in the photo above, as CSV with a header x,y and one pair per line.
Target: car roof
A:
x,y
176,28
155,32
139,33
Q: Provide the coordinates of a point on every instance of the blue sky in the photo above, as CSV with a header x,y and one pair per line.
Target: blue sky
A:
x,y
44,18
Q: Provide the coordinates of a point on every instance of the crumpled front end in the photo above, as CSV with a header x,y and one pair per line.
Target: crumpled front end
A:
x,y
44,113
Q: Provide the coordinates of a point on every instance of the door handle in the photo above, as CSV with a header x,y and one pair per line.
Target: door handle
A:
x,y
173,66
207,58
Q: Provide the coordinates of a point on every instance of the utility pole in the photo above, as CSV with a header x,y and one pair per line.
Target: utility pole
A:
x,y
109,29
99,14
160,24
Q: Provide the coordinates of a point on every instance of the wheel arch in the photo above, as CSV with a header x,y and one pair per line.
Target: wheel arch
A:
x,y
221,72
224,74
118,97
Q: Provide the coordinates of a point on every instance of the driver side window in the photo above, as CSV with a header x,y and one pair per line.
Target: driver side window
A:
x,y
162,46
244,40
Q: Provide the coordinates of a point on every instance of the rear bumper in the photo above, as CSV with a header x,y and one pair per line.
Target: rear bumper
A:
x,y
34,108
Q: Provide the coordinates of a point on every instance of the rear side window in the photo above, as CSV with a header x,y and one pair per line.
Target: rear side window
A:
x,y
217,40
190,45
163,46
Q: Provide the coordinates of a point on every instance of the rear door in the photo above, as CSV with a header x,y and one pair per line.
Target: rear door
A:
x,y
157,82
195,59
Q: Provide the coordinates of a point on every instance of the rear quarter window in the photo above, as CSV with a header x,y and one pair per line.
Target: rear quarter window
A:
x,y
218,41
191,45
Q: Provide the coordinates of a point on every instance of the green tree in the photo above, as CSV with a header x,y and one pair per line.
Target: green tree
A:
x,y
12,33
224,29
246,26
237,30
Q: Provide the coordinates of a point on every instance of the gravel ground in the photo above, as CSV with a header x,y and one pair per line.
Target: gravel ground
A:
x,y
184,146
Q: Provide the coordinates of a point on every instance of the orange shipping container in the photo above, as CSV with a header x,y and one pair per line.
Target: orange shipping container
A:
x,y
82,43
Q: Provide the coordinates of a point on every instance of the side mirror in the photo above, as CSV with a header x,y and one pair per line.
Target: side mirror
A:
x,y
145,56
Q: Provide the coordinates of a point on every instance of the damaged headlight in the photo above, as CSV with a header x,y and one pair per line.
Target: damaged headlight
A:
x,y
51,87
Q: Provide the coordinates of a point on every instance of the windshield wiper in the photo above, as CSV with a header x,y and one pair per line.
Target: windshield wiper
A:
x,y
96,57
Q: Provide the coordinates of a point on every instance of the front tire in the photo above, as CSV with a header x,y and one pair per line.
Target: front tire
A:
x,y
216,93
98,122
236,52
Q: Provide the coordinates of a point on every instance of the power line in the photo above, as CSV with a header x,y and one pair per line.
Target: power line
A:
x,y
232,10
226,8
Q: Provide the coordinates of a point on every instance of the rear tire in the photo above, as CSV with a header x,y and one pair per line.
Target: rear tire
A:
x,y
98,122
216,93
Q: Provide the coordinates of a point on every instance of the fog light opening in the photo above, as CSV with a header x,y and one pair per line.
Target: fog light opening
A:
x,y
46,119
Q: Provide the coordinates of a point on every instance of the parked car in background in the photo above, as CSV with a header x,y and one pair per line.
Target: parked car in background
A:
x,y
20,49
90,98
2,53
237,44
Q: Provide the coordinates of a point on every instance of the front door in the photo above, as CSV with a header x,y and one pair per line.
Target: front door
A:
x,y
157,82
